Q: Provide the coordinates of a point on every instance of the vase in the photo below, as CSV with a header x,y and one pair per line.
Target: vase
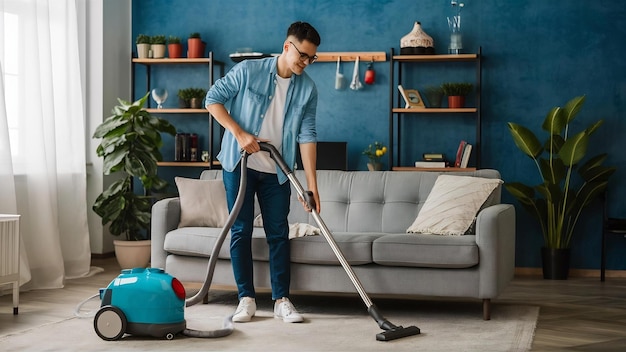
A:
x,y
555,263
417,42
374,166
456,38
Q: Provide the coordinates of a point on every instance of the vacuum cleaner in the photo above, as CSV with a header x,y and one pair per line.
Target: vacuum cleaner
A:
x,y
150,302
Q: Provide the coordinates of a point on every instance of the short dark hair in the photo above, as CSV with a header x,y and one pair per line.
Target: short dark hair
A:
x,y
304,31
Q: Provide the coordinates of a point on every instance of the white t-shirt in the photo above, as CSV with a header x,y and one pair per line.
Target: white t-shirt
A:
x,y
272,127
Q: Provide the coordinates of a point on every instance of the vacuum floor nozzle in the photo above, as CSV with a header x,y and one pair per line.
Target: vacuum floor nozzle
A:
x,y
398,332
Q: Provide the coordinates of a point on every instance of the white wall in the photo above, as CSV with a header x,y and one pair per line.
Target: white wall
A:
x,y
108,53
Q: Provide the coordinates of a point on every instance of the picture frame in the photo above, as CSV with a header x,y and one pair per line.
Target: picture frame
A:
x,y
411,97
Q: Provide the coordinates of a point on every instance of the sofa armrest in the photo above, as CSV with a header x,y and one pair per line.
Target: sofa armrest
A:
x,y
165,218
495,236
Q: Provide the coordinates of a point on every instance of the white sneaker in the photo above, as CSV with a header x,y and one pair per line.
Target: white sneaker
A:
x,y
245,310
283,309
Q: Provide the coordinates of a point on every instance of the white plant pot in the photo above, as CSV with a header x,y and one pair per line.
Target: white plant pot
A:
x,y
158,51
132,254
143,51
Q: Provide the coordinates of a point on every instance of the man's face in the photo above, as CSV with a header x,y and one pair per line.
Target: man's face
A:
x,y
300,55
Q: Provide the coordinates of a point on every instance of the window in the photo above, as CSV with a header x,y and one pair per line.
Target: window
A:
x,y
12,70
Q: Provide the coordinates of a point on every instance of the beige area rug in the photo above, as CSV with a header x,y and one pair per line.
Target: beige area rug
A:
x,y
331,324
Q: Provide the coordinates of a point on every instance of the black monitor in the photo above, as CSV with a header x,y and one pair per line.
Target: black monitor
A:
x,y
330,156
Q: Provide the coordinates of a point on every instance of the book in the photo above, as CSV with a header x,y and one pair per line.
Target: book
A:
x,y
466,155
433,157
430,164
459,154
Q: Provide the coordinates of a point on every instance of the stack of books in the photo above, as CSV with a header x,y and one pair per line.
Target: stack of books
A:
x,y
463,154
432,160
438,160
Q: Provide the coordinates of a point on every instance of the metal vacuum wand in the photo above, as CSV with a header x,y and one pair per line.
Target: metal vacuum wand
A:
x,y
391,331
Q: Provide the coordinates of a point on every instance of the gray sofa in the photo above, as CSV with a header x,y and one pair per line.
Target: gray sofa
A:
x,y
368,214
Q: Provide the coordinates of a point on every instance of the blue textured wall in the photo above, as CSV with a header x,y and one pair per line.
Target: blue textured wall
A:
x,y
537,54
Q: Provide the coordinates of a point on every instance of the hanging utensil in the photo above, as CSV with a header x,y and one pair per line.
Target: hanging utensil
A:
x,y
338,76
356,83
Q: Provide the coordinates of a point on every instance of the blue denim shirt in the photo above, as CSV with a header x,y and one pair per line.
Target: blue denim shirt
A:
x,y
246,90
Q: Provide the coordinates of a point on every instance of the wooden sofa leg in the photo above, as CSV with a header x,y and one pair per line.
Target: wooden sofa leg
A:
x,y
486,309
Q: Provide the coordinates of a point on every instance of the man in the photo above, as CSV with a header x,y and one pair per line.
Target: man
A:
x,y
270,100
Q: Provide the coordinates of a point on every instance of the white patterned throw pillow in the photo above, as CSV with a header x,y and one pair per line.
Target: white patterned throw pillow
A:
x,y
452,205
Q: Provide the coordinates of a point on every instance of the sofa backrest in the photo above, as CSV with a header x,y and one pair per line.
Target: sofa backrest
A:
x,y
370,201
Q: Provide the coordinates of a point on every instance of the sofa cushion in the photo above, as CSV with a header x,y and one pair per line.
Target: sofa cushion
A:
x,y
199,242
452,204
356,248
423,250
202,202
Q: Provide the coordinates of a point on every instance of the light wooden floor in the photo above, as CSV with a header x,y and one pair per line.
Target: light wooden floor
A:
x,y
578,314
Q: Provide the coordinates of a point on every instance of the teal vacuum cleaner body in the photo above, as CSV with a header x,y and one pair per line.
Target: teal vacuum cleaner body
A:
x,y
143,302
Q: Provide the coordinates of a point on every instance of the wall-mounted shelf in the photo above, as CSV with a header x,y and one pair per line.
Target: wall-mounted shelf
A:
x,y
176,111
450,57
365,56
200,60
190,164
434,110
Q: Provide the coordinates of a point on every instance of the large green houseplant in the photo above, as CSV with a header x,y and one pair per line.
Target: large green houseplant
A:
x,y
130,144
558,201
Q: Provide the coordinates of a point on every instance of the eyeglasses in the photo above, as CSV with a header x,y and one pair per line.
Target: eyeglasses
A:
x,y
304,56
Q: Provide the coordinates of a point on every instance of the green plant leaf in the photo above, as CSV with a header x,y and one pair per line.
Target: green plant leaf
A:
x,y
525,140
574,149
573,107
554,122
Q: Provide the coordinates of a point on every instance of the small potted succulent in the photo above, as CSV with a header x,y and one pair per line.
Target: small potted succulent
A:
x,y
434,95
195,46
157,46
192,97
456,92
143,46
174,47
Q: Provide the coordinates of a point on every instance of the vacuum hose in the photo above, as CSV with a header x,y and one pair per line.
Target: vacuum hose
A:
x,y
227,326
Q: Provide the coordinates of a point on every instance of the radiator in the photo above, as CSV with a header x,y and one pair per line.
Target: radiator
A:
x,y
10,255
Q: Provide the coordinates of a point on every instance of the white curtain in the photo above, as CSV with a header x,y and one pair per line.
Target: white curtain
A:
x,y
42,162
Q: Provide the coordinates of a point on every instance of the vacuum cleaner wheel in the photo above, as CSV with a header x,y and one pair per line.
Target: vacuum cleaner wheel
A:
x,y
110,323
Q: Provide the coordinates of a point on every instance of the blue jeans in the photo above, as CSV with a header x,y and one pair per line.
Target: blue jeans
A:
x,y
274,202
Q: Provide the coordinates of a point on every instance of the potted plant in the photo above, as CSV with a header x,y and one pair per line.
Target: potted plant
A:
x,y
374,152
434,95
192,97
130,144
157,45
143,46
195,46
456,92
557,202
174,47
